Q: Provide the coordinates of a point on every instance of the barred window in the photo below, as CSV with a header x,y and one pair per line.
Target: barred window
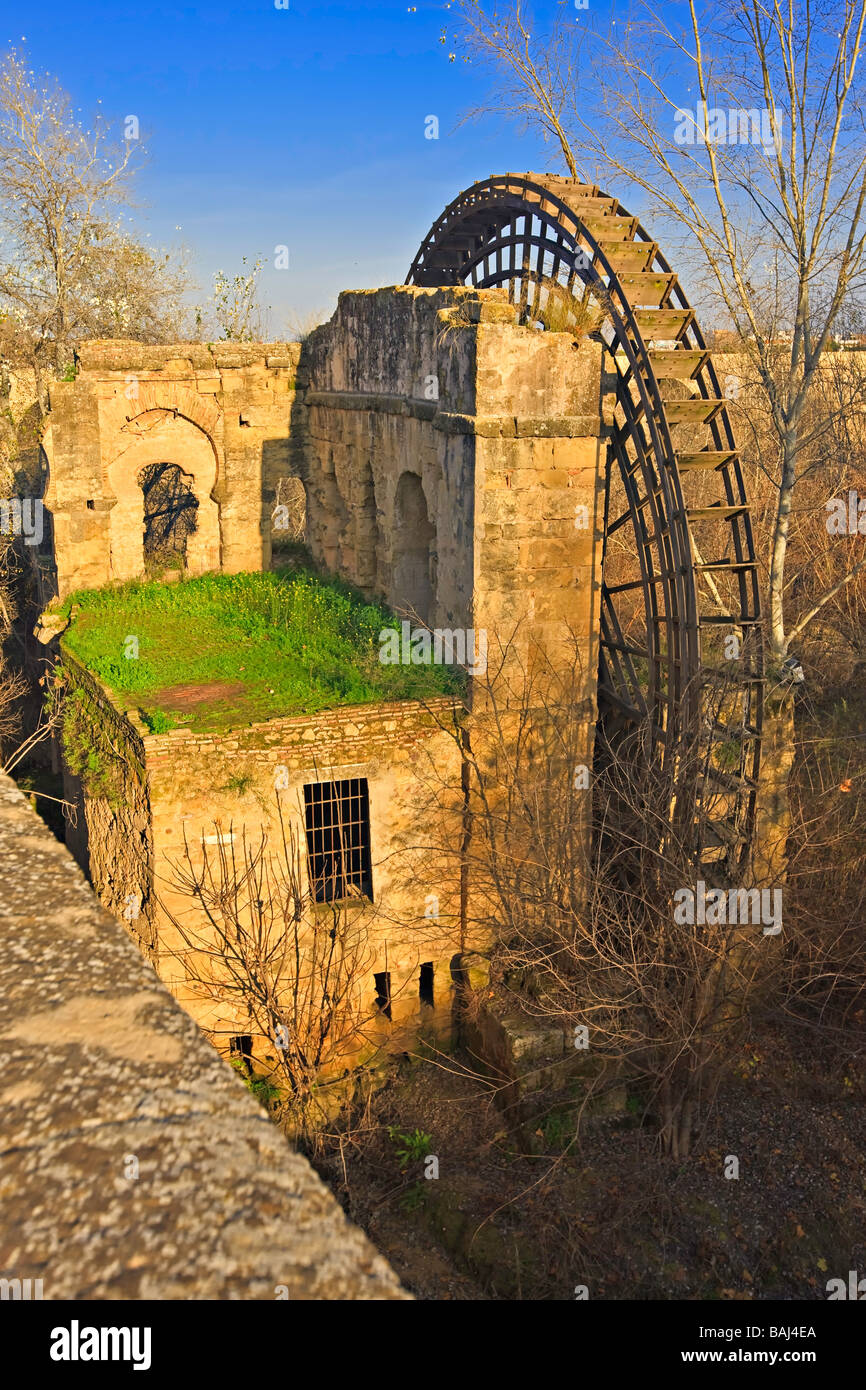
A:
x,y
338,839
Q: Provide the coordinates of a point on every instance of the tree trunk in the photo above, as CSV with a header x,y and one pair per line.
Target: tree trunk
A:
x,y
778,642
772,809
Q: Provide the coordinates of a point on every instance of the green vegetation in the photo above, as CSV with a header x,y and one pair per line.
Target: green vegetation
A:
x,y
727,755
410,1148
156,721
240,785
228,649
414,1200
263,1090
89,752
558,1131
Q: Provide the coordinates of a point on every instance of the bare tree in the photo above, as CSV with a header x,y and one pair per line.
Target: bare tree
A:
x,y
138,291
301,325
581,869
824,581
743,134
170,509
824,980
15,567
289,517
264,954
69,269
13,688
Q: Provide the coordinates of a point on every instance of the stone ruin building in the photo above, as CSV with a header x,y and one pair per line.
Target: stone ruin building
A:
x,y
527,439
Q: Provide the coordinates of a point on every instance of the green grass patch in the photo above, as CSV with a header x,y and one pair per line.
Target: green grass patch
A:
x,y
268,645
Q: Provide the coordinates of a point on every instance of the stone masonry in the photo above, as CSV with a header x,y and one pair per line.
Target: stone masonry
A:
x,y
135,1163
452,459
221,412
182,788
452,462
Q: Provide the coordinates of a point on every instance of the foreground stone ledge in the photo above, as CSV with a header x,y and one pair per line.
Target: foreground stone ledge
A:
x,y
101,1067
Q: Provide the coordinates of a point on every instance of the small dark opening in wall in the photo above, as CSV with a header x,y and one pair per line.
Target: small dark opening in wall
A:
x,y
91,504
383,992
425,984
241,1047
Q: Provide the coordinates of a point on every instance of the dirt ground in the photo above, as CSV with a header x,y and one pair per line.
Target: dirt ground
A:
x,y
180,698
609,1213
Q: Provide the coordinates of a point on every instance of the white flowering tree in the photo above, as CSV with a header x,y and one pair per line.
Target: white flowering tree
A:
x,y
234,311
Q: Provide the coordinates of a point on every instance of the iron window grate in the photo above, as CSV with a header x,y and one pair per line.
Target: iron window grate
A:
x,y
337,817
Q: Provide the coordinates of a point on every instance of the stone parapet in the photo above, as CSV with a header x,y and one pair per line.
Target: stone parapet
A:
x,y
135,1163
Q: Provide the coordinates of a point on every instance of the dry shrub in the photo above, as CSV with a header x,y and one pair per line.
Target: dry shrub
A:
x,y
577,886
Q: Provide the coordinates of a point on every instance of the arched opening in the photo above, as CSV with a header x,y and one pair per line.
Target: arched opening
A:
x,y
289,515
413,545
367,539
170,508
329,520
143,447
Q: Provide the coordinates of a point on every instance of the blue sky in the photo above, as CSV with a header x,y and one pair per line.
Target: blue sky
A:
x,y
302,127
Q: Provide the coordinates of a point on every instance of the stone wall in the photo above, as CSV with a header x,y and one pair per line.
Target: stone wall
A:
x,y
220,412
452,460
181,788
109,830
454,464
135,1163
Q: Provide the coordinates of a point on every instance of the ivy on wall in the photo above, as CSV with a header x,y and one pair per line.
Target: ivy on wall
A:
x,y
90,754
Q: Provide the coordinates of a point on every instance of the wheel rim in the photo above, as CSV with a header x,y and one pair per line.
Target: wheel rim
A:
x,y
675,500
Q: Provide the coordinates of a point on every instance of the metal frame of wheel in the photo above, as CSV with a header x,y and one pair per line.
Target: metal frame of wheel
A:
x,y
551,240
